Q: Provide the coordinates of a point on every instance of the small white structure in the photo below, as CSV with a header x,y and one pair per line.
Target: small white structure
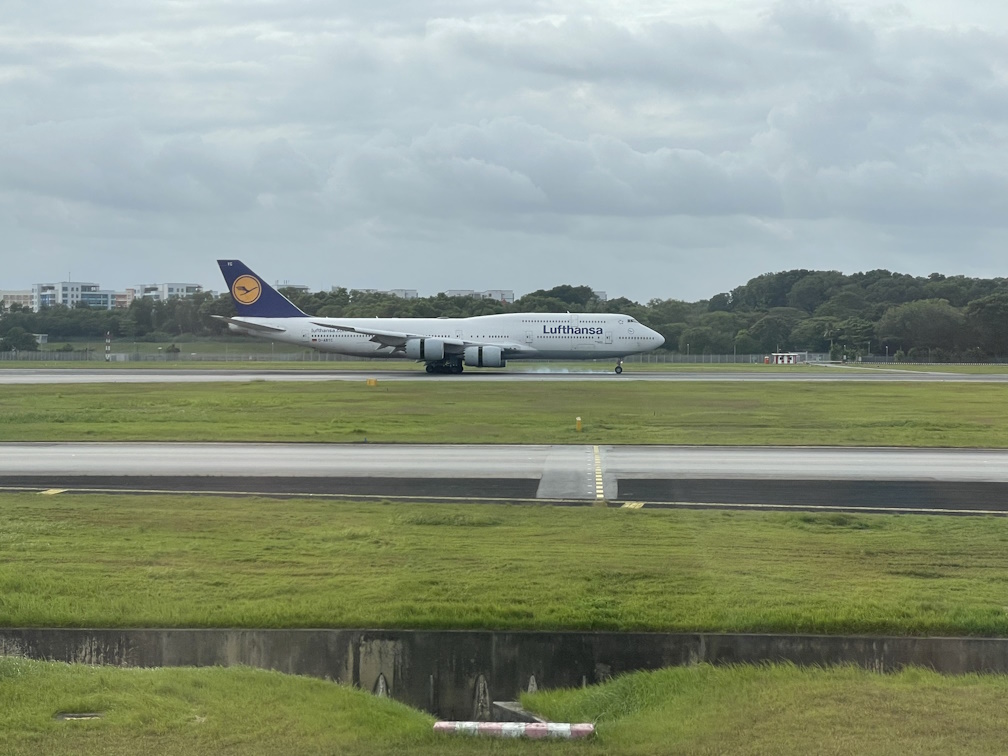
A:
x,y
788,358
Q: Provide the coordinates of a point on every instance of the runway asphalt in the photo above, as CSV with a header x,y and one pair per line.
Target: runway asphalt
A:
x,y
832,479
816,373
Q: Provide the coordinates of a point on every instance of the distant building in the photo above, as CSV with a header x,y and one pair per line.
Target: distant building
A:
x,y
70,294
10,297
123,299
403,293
498,295
165,291
599,295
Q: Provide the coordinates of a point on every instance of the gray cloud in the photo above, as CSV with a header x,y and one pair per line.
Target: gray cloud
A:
x,y
668,151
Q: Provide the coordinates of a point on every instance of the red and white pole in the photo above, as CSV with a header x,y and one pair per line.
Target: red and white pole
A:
x,y
531,730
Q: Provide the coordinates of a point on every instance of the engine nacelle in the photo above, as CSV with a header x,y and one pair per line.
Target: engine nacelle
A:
x,y
484,356
425,349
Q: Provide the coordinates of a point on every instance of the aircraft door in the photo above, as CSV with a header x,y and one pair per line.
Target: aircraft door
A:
x,y
528,337
608,337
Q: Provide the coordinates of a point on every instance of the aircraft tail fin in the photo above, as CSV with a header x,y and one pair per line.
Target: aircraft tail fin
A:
x,y
253,297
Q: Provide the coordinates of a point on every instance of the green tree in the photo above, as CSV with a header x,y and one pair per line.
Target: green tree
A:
x,y
17,339
704,340
812,334
923,324
987,317
810,292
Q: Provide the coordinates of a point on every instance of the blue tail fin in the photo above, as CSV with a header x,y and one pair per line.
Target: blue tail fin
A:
x,y
252,296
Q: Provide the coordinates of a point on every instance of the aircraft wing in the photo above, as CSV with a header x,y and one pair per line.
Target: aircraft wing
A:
x,y
248,324
397,339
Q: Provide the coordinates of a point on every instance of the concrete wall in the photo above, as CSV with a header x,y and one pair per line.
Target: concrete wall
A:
x,y
452,673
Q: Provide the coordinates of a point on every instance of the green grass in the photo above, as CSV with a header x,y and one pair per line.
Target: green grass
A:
x,y
689,710
91,561
784,710
642,412
971,369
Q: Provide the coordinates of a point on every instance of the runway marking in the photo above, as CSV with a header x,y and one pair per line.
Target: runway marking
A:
x,y
52,491
633,505
599,486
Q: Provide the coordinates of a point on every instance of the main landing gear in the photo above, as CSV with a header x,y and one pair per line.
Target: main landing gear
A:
x,y
619,366
454,367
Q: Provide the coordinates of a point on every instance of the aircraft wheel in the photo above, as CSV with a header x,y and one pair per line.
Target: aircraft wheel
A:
x,y
430,368
619,370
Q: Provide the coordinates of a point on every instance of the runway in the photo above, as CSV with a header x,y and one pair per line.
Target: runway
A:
x,y
811,373
833,479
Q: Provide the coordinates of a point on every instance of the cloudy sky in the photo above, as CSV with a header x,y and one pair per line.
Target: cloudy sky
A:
x,y
649,149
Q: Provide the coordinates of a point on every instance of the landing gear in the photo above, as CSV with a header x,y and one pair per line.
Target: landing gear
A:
x,y
445,366
619,366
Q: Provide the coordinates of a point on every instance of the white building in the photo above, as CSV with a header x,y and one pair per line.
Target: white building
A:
x,y
164,291
403,293
10,297
69,294
498,295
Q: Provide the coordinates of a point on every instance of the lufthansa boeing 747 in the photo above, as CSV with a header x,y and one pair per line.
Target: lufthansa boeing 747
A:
x,y
445,345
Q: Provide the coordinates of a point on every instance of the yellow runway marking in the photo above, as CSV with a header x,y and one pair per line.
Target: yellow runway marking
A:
x,y
52,491
633,505
599,487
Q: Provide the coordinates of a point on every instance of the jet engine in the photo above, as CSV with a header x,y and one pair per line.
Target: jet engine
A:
x,y
484,356
425,349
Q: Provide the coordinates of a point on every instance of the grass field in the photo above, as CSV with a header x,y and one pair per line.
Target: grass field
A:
x,y
691,710
641,412
88,561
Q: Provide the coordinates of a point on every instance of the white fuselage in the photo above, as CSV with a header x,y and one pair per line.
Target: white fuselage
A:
x,y
523,335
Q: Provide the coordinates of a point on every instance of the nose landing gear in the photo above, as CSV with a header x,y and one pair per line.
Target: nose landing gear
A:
x,y
619,366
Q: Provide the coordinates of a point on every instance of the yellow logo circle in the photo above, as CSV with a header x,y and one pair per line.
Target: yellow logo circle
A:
x,y
246,289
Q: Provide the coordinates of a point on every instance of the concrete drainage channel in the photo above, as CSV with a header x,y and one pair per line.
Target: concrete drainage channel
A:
x,y
473,675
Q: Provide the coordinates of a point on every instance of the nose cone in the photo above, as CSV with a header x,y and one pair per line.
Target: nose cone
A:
x,y
659,339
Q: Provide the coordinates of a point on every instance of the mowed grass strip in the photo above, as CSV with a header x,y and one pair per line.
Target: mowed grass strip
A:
x,y
149,561
689,710
452,411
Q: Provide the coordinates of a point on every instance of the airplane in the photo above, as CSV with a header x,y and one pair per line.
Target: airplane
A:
x,y
445,345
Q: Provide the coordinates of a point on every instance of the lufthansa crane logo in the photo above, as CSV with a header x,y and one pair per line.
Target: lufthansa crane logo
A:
x,y
246,289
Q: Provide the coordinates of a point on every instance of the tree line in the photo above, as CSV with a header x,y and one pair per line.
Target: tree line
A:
x,y
937,318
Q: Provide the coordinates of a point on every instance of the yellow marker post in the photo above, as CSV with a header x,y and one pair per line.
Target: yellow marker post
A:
x,y
577,424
